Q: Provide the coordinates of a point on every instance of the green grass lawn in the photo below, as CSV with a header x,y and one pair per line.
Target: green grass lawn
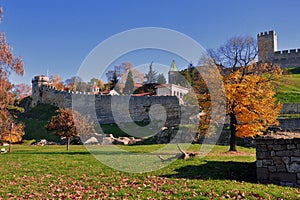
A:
x,y
286,116
289,87
51,172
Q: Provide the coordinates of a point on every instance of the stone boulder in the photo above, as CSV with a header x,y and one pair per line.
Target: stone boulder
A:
x,y
91,141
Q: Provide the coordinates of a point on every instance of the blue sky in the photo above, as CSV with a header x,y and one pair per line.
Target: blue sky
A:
x,y
57,35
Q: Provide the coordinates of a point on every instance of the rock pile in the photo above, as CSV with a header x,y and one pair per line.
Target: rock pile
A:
x,y
109,139
43,142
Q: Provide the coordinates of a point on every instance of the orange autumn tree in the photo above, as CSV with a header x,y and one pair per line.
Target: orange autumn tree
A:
x,y
57,82
251,106
8,64
13,133
22,90
68,124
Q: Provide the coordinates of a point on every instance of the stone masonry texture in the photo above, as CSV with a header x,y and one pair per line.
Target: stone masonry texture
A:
x,y
278,161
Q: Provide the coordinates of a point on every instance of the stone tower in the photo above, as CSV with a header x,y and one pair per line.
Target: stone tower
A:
x,y
267,45
173,73
37,83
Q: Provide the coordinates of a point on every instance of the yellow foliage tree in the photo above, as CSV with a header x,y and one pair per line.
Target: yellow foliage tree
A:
x,y
57,82
13,133
251,105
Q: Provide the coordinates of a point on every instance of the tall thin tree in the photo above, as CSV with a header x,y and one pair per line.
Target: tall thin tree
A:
x,y
129,84
151,76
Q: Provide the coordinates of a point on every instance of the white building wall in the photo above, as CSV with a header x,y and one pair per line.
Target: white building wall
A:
x,y
172,90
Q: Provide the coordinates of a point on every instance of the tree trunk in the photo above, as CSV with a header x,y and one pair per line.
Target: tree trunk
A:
x,y
10,137
233,123
68,142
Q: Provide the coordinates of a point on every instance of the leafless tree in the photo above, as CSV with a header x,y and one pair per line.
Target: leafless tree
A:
x,y
238,51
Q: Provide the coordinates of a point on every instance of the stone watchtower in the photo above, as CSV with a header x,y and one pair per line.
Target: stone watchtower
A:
x,y
37,83
267,45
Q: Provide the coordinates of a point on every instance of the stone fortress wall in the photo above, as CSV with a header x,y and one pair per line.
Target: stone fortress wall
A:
x,y
138,107
287,58
278,161
105,107
290,108
268,51
290,124
50,95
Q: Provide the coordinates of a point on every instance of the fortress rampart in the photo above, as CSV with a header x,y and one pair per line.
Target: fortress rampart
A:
x,y
107,109
287,58
291,52
267,51
290,108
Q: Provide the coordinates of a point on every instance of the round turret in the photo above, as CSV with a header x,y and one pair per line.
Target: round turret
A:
x,y
37,83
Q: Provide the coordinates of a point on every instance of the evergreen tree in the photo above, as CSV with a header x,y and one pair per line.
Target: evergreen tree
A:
x,y
151,76
114,80
129,84
161,79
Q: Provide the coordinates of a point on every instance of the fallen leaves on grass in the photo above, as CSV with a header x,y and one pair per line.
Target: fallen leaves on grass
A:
x,y
120,187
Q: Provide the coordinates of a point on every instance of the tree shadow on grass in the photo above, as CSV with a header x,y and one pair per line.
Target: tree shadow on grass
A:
x,y
239,171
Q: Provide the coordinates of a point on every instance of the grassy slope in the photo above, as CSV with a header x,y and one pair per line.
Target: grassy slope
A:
x,y
289,88
51,172
35,121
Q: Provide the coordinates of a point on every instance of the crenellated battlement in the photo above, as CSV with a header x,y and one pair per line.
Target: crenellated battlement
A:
x,y
287,52
266,33
43,92
287,58
51,88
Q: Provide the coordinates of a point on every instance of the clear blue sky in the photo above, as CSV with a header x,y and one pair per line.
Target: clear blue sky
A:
x,y
57,35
